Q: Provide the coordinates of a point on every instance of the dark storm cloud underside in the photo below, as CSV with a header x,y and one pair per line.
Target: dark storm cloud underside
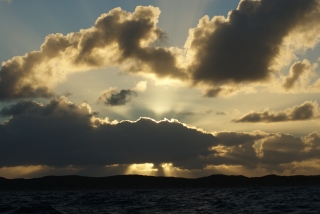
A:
x,y
61,134
65,137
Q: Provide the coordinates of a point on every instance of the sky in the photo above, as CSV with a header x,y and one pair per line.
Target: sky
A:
x,y
184,88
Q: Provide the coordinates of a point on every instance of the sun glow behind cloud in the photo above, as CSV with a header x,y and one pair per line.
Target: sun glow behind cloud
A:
x,y
142,169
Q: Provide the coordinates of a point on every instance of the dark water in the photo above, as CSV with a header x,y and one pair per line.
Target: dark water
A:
x,y
234,200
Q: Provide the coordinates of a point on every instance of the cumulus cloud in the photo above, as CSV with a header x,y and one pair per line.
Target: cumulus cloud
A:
x,y
312,141
297,70
117,38
62,135
251,42
221,54
306,111
272,152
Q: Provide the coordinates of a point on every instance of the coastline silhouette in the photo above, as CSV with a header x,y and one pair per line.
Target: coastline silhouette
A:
x,y
75,182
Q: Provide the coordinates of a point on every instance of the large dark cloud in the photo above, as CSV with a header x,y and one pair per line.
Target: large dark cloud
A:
x,y
61,134
306,111
243,47
113,97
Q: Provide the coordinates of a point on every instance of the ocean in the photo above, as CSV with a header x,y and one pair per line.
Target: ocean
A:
x,y
217,200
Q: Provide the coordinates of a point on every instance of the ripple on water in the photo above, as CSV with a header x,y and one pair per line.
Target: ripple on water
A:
x,y
228,200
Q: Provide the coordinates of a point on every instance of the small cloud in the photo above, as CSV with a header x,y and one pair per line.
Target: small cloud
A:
x,y
235,111
190,113
67,94
209,112
297,70
221,113
212,92
112,97
141,86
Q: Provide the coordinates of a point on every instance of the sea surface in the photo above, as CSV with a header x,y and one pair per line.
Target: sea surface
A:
x,y
219,200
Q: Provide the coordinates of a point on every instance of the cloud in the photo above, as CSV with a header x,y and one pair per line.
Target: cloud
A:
x,y
61,135
208,112
141,86
312,141
272,152
214,92
221,55
189,113
112,97
297,70
306,111
251,42
117,38
221,113
21,107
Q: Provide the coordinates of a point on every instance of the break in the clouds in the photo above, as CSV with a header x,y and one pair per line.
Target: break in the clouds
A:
x,y
306,111
61,134
221,54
